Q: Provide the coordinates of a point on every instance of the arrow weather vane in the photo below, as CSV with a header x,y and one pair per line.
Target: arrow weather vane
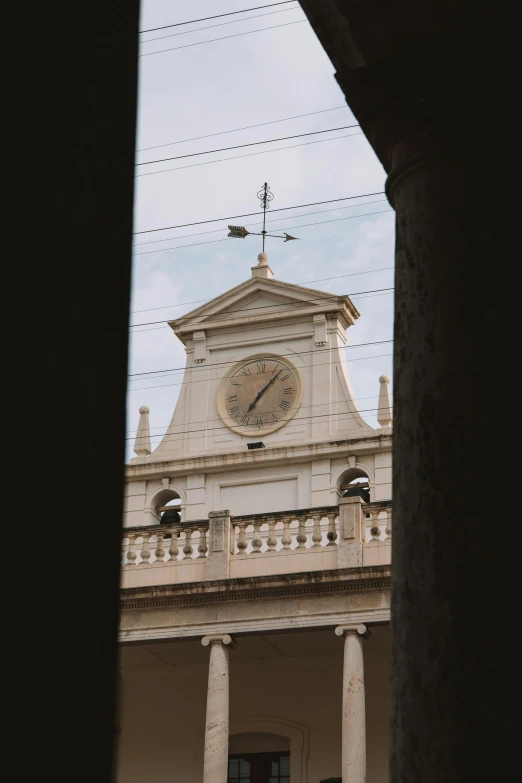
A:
x,y
265,195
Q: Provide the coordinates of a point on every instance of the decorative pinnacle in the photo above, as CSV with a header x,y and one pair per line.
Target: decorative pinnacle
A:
x,y
142,445
384,410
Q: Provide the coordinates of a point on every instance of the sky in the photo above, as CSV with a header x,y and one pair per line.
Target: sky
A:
x,y
220,87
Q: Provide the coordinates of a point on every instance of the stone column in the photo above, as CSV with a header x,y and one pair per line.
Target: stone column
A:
x,y
354,713
215,764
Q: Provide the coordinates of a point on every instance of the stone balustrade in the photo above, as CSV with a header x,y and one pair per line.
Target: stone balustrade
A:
x,y
351,534
156,544
259,533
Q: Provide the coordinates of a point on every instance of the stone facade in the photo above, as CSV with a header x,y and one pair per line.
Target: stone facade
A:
x,y
267,557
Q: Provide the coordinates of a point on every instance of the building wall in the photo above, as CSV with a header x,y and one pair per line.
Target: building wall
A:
x,y
259,488
163,707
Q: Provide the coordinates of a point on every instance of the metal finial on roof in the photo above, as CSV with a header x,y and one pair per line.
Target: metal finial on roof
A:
x,y
265,195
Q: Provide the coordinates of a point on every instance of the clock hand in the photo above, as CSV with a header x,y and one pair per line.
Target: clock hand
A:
x,y
263,390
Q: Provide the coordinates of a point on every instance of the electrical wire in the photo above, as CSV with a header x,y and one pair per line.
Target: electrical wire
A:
x,y
223,38
303,303
299,225
320,280
221,24
248,155
255,214
260,222
180,383
210,430
133,432
165,324
251,144
230,363
217,16
245,127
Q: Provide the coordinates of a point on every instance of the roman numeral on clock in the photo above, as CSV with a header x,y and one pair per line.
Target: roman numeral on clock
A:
x,y
259,421
261,366
244,420
246,371
284,377
235,411
233,397
284,405
290,390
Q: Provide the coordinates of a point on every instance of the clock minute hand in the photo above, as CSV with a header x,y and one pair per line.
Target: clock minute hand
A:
x,y
263,390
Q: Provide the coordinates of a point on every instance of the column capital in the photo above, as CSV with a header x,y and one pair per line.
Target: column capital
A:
x,y
215,638
362,630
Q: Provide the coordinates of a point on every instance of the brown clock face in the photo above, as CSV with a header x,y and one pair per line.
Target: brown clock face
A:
x,y
260,395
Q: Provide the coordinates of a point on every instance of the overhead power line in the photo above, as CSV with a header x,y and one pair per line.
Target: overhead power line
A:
x,y
245,127
221,24
321,280
180,383
222,38
260,222
244,311
300,225
217,16
132,432
248,155
255,214
209,430
221,364
251,144
357,297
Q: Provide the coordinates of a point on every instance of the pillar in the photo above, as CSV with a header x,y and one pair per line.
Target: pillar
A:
x,y
354,710
215,763
414,74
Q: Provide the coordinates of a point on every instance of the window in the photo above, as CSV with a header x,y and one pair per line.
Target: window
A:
x,y
259,767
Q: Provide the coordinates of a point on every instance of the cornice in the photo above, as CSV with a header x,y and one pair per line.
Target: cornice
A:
x,y
256,588
216,461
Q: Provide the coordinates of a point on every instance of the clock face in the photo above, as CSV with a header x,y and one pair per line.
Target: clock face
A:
x,y
259,395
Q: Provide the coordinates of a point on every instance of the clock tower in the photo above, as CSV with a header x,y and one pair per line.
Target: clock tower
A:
x,y
266,418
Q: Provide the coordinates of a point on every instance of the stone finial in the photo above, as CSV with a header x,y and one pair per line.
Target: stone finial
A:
x,y
262,269
384,411
142,445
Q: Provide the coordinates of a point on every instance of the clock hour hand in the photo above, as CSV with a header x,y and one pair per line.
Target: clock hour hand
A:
x,y
263,390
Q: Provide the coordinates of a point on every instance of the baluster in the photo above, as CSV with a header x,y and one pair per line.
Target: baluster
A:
x,y
202,543
174,549
332,532
301,533
271,540
375,530
316,535
145,549
256,540
131,552
242,540
286,540
160,551
388,530
188,549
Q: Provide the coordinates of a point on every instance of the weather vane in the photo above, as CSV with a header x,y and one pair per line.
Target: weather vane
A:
x,y
265,196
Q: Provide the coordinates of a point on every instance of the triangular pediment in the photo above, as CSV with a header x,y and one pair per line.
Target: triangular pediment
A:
x,y
260,298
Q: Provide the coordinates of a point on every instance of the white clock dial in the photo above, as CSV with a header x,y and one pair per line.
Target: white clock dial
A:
x,y
259,395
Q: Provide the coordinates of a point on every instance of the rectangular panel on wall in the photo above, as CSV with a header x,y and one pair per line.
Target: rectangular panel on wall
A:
x,y
259,497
